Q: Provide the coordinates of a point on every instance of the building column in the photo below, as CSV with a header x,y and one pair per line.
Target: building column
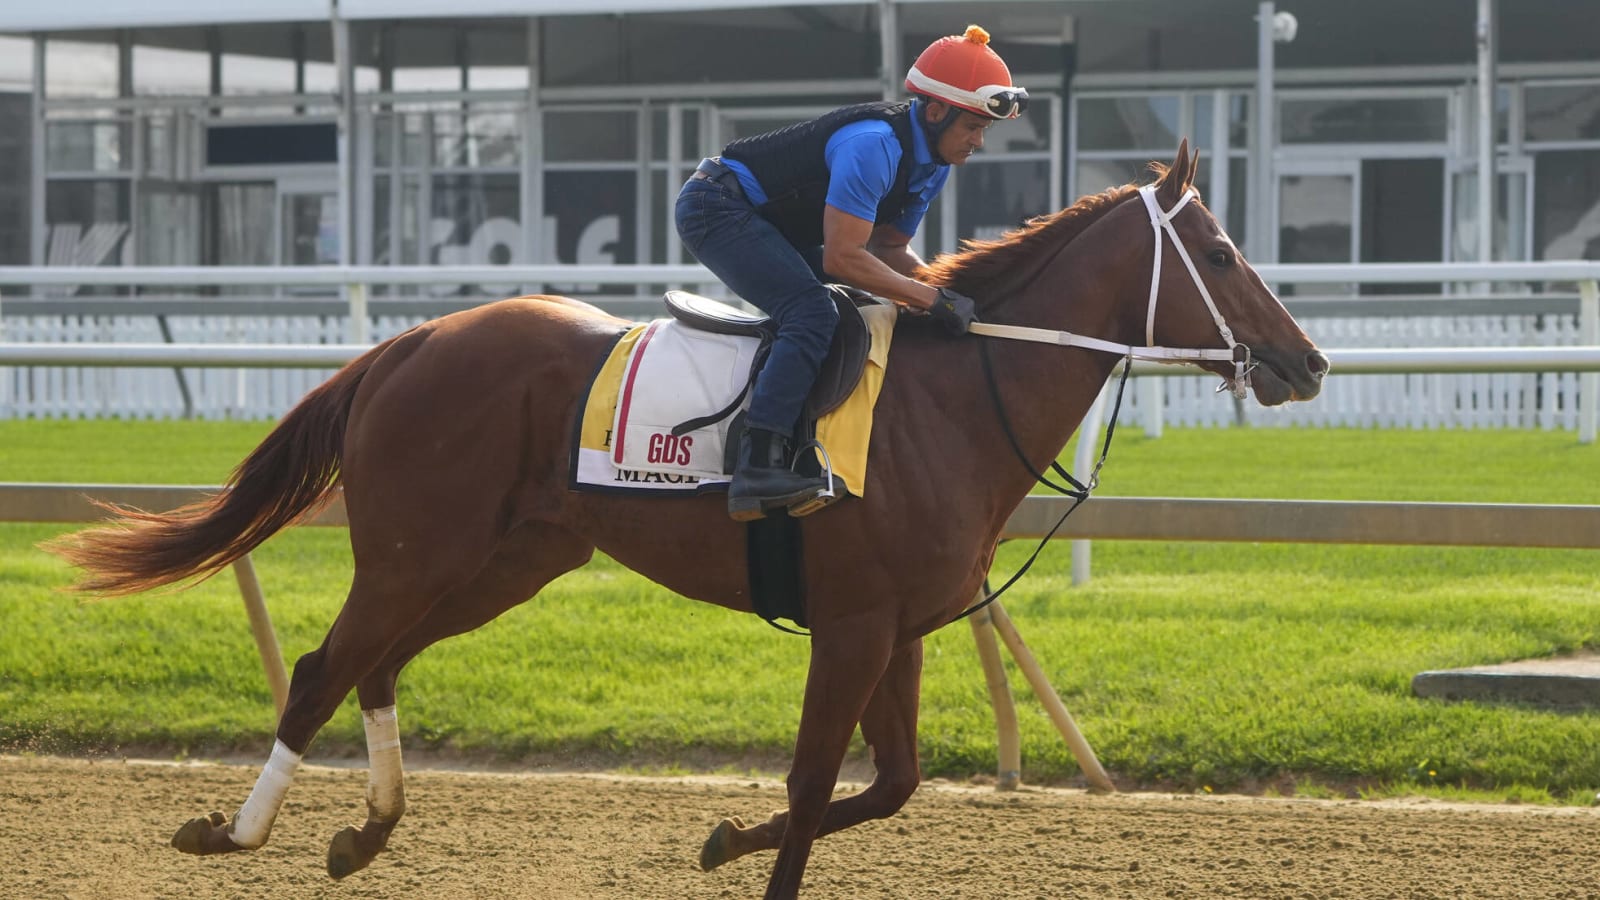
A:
x,y
1487,50
37,229
1266,139
533,155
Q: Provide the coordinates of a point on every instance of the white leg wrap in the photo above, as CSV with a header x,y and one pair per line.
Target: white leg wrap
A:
x,y
386,796
252,823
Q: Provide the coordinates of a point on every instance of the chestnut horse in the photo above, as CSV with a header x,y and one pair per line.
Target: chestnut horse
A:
x,y
451,443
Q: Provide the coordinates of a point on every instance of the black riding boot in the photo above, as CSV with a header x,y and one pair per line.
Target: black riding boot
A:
x,y
762,479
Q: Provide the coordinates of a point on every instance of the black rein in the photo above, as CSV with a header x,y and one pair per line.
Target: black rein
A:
x,y
1079,491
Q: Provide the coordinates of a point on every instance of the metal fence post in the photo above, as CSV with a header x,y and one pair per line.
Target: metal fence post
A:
x,y
360,321
1152,396
1588,382
1082,465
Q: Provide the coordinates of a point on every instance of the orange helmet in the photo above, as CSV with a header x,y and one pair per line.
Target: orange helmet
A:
x,y
962,71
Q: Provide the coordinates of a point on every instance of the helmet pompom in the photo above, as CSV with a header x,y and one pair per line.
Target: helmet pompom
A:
x,y
977,35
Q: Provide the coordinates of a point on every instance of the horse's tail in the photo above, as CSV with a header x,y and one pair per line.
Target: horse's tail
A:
x,y
293,472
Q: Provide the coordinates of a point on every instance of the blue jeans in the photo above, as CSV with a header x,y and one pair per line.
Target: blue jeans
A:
x,y
724,232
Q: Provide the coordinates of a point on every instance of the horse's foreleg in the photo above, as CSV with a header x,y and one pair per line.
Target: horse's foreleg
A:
x,y
847,662
889,727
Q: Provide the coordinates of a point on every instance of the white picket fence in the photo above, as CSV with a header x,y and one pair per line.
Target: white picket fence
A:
x,y
146,393
1546,400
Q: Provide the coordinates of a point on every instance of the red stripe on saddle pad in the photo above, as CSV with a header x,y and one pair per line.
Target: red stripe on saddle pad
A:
x,y
627,389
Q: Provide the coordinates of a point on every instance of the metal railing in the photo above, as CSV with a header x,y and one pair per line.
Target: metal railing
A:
x,y
1123,518
355,283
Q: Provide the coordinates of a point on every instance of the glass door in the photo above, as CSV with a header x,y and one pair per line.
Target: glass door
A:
x,y
1318,208
1402,216
308,224
243,227
1513,208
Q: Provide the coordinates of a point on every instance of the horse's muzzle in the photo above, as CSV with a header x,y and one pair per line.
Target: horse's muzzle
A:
x,y
1286,376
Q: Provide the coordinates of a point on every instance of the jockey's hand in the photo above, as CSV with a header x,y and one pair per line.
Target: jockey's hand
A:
x,y
954,311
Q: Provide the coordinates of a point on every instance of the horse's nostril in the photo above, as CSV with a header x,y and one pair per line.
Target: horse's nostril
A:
x,y
1317,364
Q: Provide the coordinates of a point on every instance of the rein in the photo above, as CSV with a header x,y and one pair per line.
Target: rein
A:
x,y
1079,491
1237,353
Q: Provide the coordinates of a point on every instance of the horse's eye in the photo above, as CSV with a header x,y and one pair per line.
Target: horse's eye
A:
x,y
1220,258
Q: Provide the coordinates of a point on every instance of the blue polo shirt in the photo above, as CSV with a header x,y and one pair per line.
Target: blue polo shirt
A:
x,y
862,159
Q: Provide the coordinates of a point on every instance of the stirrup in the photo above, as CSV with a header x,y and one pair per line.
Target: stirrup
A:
x,y
823,498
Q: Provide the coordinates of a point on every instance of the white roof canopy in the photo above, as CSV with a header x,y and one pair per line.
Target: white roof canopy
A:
x,y
71,15
402,9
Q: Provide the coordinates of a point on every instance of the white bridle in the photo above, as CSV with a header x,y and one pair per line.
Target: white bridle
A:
x,y
1160,219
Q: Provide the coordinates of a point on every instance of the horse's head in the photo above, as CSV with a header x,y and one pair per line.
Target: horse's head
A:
x,y
1208,296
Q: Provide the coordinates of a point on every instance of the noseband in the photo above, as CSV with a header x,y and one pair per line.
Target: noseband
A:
x,y
1160,220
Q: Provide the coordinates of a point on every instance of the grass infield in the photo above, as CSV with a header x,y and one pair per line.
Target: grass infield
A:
x,y
1195,666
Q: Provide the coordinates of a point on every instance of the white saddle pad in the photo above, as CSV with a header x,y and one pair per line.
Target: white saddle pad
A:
x,y
674,374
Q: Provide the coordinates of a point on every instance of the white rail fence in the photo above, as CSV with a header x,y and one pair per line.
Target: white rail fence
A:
x,y
1128,518
350,311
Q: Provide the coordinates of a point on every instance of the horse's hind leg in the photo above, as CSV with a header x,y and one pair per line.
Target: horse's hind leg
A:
x,y
523,563
387,599
889,727
374,616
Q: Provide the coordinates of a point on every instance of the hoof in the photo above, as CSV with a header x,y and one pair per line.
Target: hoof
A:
x,y
718,848
205,836
345,853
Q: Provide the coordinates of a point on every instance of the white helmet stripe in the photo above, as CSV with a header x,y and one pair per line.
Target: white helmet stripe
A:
x,y
957,95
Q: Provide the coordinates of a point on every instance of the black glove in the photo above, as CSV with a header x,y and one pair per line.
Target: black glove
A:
x,y
954,311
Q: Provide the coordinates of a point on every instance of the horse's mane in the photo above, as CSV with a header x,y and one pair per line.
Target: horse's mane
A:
x,y
980,266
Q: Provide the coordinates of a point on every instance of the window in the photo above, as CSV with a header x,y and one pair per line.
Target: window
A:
x,y
1562,112
1360,120
97,145
80,69
1147,122
591,136
1118,135
167,72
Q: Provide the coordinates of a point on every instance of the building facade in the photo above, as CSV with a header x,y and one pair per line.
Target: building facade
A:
x,y
562,136
420,132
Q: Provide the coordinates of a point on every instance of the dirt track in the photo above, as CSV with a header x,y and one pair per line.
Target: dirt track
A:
x,y
70,828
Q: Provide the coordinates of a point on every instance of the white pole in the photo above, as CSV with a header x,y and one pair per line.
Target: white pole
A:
x,y
360,317
1152,398
890,75
1082,465
1262,245
38,240
1588,382
345,73
1486,122
533,223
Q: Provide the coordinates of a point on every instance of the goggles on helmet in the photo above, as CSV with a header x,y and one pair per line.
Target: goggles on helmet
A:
x,y
1002,101
999,101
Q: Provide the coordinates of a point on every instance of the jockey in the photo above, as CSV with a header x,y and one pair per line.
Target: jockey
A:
x,y
841,194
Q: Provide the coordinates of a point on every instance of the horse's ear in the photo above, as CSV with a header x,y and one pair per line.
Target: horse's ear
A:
x,y
1178,178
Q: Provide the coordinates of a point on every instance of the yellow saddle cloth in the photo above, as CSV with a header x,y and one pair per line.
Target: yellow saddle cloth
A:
x,y
844,433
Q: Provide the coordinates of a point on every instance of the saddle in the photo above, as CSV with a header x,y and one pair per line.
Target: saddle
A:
x,y
840,370
773,544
